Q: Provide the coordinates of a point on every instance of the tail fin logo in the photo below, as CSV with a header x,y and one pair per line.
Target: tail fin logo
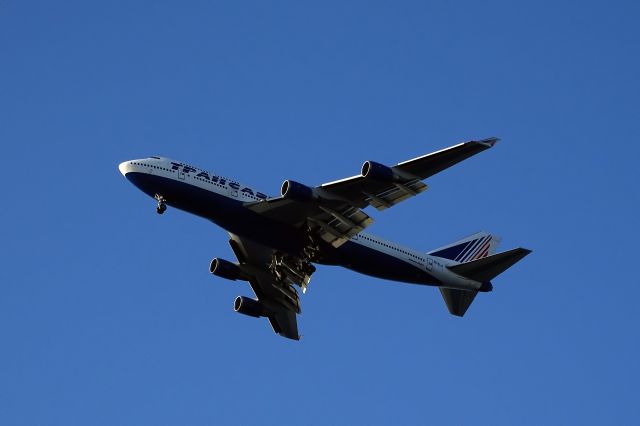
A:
x,y
475,251
468,251
453,252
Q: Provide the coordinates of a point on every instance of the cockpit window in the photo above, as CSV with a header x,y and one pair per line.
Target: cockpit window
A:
x,y
156,158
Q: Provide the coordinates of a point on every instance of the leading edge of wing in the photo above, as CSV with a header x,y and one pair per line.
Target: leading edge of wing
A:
x,y
335,182
480,146
489,143
435,162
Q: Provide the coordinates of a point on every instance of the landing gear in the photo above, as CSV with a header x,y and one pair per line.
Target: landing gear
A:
x,y
162,207
297,270
292,270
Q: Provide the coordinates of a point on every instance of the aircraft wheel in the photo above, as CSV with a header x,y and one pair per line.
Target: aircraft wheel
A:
x,y
161,208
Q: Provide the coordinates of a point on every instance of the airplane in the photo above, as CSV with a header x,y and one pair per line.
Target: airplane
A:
x,y
277,240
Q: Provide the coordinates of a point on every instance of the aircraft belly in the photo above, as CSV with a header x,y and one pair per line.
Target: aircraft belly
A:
x,y
224,211
375,263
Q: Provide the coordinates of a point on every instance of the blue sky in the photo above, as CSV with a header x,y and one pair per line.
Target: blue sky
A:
x,y
108,314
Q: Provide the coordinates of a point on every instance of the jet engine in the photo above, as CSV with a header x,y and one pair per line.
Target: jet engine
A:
x,y
376,171
296,191
249,306
225,269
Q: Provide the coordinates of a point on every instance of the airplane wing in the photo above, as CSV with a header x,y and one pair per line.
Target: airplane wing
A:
x,y
404,181
280,299
334,209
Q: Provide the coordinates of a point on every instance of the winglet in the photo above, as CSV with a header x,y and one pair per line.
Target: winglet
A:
x,y
490,142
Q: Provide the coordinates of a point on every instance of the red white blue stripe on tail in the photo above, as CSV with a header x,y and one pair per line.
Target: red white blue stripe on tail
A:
x,y
468,249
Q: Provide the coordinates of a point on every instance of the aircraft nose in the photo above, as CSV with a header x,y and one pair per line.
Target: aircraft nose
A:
x,y
124,168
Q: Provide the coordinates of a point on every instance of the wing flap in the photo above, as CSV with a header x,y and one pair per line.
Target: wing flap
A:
x,y
285,324
332,220
336,227
395,194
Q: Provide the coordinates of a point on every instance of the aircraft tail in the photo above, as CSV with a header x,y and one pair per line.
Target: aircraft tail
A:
x,y
473,247
483,270
486,269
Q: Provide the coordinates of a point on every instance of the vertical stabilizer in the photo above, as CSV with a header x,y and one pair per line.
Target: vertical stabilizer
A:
x,y
473,247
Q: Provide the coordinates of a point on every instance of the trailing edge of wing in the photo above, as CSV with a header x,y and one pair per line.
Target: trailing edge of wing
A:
x,y
285,324
334,221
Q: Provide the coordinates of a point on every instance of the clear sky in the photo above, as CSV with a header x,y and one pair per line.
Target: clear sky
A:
x,y
108,314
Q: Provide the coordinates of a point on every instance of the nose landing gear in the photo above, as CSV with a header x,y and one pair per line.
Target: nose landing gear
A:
x,y
162,207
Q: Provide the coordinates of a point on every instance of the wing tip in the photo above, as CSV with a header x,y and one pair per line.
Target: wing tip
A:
x,y
489,142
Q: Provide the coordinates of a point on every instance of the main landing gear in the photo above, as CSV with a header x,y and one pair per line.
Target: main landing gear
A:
x,y
162,207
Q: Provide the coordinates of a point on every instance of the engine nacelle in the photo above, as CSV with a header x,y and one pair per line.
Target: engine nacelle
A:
x,y
225,269
249,306
377,171
296,191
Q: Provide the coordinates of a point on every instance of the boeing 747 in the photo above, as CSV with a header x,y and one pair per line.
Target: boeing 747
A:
x,y
277,240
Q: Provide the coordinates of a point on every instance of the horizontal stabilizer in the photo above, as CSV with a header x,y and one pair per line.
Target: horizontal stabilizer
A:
x,y
484,270
458,301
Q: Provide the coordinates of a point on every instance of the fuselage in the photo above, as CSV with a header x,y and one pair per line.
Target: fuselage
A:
x,y
223,201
